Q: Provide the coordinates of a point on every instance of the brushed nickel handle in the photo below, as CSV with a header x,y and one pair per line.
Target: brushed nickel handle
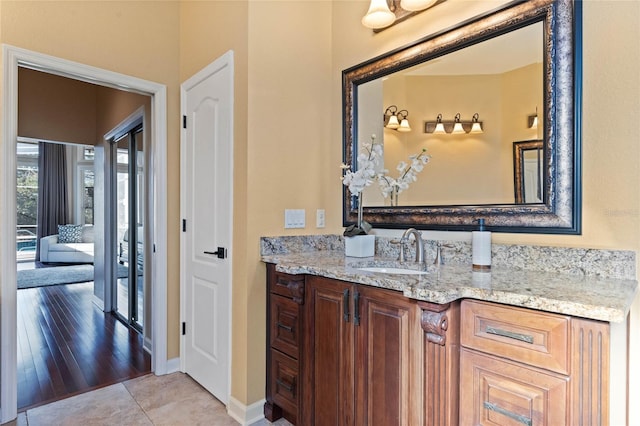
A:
x,y
510,334
514,416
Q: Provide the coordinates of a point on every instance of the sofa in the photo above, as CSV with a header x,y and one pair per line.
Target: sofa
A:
x,y
53,251
123,249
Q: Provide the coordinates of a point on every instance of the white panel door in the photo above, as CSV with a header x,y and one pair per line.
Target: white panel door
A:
x,y
207,206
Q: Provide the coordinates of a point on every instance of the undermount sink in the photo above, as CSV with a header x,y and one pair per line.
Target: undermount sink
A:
x,y
385,270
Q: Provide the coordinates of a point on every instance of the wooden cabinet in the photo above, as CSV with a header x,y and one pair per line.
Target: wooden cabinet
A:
x,y
363,356
520,366
285,297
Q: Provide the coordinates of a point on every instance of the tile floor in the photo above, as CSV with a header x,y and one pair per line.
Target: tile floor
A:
x,y
174,399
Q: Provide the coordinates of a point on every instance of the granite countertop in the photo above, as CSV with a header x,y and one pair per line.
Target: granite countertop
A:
x,y
593,297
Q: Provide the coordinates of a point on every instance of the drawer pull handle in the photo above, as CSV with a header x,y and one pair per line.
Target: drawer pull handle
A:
x,y
285,327
517,417
285,385
345,305
511,335
356,308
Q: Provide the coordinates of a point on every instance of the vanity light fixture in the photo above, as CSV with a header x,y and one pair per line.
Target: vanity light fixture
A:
x,y
532,120
404,123
416,5
379,15
439,126
476,126
396,120
457,126
392,121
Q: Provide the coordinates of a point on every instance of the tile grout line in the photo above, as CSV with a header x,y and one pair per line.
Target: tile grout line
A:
x,y
137,403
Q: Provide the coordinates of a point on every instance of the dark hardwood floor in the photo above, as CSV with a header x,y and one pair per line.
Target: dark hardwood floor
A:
x,y
66,345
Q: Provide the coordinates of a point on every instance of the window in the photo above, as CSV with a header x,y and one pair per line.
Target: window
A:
x,y
26,200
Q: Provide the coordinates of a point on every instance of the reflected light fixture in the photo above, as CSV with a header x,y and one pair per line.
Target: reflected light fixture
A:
x,y
532,120
392,122
457,126
476,126
396,120
416,5
439,126
404,123
379,15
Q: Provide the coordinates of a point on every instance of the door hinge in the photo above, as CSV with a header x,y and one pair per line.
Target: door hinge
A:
x,y
184,328
184,225
184,121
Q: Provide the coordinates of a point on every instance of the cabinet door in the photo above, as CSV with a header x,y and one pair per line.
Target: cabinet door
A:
x,y
327,355
389,358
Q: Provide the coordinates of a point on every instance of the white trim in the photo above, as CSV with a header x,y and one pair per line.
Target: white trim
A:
x,y
173,365
12,58
225,60
243,414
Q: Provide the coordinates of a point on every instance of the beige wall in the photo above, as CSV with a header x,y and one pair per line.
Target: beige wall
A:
x,y
289,56
140,39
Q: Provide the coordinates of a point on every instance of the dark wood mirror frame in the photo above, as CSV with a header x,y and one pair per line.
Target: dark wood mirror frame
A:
x,y
561,211
519,149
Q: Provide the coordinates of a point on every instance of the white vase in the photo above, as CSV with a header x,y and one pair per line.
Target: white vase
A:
x,y
360,246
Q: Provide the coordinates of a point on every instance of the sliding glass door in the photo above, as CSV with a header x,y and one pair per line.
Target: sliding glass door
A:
x,y
128,215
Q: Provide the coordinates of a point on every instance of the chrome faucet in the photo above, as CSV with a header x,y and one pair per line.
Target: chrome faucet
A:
x,y
419,244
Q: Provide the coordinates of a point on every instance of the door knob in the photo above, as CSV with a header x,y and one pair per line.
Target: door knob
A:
x,y
221,252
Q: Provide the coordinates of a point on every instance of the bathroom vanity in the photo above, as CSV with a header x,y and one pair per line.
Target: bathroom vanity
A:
x,y
448,347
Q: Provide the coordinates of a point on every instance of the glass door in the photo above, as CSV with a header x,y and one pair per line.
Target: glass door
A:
x,y
129,216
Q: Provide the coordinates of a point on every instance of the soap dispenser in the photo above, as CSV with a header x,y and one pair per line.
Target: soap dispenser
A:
x,y
481,248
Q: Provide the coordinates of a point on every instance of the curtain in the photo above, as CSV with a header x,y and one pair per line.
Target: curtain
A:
x,y
52,190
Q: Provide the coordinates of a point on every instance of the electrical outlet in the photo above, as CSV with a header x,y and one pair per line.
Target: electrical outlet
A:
x,y
320,218
294,218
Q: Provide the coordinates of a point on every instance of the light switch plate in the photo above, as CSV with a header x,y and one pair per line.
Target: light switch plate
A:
x,y
320,218
294,218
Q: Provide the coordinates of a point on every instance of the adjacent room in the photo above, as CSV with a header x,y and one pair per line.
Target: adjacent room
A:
x,y
74,250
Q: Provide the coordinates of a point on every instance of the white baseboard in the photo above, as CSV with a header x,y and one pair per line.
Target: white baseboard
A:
x,y
243,414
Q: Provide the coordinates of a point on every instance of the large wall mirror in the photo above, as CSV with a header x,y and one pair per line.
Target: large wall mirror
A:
x,y
516,71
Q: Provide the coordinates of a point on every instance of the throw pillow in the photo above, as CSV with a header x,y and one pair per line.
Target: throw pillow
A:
x,y
69,233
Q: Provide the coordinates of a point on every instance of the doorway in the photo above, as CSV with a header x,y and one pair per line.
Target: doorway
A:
x,y
13,58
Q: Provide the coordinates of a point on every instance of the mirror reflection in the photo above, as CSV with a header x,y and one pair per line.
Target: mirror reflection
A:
x,y
501,80
528,169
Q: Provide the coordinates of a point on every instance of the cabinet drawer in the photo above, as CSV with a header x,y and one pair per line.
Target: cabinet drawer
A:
x,y
288,285
285,325
497,392
284,382
535,338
